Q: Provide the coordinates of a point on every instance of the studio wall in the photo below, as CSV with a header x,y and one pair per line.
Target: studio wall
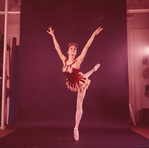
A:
x,y
43,99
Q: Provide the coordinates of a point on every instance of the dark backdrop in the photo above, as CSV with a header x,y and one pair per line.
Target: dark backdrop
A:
x,y
44,99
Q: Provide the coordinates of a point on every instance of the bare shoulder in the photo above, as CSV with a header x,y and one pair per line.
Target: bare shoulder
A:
x,y
64,60
79,59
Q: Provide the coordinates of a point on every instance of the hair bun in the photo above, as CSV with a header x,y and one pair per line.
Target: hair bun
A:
x,y
73,44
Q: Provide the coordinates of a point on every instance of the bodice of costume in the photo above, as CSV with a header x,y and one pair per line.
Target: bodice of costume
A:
x,y
74,76
76,81
68,68
71,73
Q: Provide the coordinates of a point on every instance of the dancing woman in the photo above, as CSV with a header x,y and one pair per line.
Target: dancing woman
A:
x,y
76,81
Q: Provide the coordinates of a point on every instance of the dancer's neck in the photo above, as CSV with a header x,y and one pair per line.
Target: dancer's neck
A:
x,y
71,58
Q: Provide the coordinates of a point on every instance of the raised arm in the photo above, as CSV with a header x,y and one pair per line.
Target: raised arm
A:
x,y
89,42
57,47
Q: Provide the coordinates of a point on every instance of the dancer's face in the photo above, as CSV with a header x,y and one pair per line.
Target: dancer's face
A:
x,y
72,50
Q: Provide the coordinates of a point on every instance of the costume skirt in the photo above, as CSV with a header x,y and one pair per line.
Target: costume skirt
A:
x,y
80,85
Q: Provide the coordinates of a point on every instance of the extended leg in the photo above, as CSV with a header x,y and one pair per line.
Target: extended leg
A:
x,y
93,70
79,112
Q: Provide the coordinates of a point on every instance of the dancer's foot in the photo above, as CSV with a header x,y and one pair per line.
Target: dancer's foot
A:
x,y
76,134
96,67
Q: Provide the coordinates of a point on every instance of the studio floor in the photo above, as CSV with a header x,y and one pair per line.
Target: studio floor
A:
x,y
63,138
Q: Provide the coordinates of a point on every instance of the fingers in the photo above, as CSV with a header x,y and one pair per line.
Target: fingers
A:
x,y
100,29
50,31
50,28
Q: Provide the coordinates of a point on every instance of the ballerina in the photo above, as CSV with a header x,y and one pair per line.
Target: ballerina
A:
x,y
76,81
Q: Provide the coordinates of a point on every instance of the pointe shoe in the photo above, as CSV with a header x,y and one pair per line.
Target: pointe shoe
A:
x,y
76,134
96,67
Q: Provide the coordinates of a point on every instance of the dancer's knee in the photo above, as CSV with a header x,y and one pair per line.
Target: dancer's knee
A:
x,y
79,106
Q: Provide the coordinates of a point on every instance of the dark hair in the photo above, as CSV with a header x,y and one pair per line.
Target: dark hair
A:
x,y
73,44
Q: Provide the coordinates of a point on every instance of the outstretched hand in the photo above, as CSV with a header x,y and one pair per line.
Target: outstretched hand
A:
x,y
50,31
97,31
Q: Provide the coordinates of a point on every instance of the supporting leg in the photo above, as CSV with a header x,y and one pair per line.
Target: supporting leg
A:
x,y
79,112
93,70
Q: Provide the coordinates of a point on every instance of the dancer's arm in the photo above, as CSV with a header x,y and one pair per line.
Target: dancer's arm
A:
x,y
57,47
85,49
